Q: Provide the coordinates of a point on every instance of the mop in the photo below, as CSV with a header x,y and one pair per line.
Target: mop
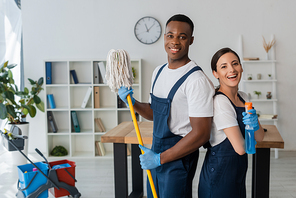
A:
x,y
118,74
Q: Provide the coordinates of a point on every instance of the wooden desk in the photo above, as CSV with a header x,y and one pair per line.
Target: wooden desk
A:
x,y
120,136
125,133
261,161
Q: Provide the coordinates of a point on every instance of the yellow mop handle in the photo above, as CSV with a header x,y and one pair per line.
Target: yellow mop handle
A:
x,y
130,104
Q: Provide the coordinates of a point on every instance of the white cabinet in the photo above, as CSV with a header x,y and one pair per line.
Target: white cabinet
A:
x,y
265,105
69,96
260,76
263,79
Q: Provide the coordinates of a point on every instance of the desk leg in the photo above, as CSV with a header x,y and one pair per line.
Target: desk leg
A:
x,y
137,172
260,173
120,170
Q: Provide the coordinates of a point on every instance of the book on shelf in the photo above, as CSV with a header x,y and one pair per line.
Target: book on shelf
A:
x,y
48,72
100,148
96,75
97,97
51,101
51,122
103,151
128,151
102,69
251,58
120,103
268,116
74,76
100,125
75,121
86,97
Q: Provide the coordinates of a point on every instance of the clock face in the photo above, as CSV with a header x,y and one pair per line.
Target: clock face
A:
x,y
147,30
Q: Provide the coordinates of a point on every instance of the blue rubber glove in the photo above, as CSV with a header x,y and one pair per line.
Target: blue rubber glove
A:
x,y
150,159
123,92
251,119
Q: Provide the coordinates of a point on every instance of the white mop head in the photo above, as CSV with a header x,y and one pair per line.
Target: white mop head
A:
x,y
118,70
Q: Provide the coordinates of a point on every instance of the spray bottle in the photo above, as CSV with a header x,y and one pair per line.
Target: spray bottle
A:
x,y
250,141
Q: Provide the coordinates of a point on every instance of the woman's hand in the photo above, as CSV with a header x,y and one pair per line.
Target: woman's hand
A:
x,y
251,119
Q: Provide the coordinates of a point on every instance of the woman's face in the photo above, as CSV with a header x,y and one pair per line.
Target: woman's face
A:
x,y
229,70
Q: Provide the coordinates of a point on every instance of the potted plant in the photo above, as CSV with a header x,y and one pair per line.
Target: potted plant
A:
x,y
250,77
268,95
258,93
15,104
268,46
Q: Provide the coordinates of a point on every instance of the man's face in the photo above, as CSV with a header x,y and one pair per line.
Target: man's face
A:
x,y
177,38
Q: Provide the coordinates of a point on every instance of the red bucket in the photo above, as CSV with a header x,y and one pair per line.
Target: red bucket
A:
x,y
63,176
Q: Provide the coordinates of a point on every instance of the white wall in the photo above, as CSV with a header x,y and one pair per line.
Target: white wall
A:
x,y
68,29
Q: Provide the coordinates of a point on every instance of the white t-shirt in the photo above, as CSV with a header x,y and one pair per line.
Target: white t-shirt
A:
x,y
194,98
224,117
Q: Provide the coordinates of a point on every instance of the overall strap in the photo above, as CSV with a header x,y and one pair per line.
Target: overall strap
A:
x,y
241,98
219,92
180,81
157,75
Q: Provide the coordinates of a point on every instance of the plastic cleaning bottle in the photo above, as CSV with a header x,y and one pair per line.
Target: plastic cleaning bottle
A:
x,y
250,141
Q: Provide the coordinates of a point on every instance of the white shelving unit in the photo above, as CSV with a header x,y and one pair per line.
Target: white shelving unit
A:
x,y
68,97
266,84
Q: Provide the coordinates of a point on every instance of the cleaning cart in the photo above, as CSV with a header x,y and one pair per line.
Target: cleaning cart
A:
x,y
36,179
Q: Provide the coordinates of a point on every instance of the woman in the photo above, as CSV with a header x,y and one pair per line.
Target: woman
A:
x,y
224,170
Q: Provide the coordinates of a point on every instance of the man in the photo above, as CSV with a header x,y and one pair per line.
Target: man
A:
x,y
181,107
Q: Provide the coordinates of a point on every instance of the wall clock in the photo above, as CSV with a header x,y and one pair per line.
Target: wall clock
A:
x,y
147,30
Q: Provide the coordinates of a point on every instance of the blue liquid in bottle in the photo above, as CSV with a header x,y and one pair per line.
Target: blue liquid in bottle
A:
x,y
250,141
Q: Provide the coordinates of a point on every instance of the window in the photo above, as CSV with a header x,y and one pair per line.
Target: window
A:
x,y
11,39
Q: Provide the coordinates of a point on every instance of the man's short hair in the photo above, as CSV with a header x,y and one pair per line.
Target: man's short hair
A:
x,y
182,18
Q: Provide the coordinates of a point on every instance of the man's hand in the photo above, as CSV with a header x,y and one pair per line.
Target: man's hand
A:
x,y
123,93
150,159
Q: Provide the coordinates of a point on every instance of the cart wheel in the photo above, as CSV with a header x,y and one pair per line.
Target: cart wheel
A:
x,y
77,195
20,194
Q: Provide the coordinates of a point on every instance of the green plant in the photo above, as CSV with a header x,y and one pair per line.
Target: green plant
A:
x,y
250,77
134,72
59,151
258,93
15,104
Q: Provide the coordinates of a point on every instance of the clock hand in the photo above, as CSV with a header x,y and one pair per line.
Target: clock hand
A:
x,y
141,32
146,28
151,26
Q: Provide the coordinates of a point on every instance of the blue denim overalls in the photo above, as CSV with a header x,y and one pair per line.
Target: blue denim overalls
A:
x,y
224,171
173,179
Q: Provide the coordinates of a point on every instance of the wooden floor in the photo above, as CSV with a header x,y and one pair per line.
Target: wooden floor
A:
x,y
95,176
